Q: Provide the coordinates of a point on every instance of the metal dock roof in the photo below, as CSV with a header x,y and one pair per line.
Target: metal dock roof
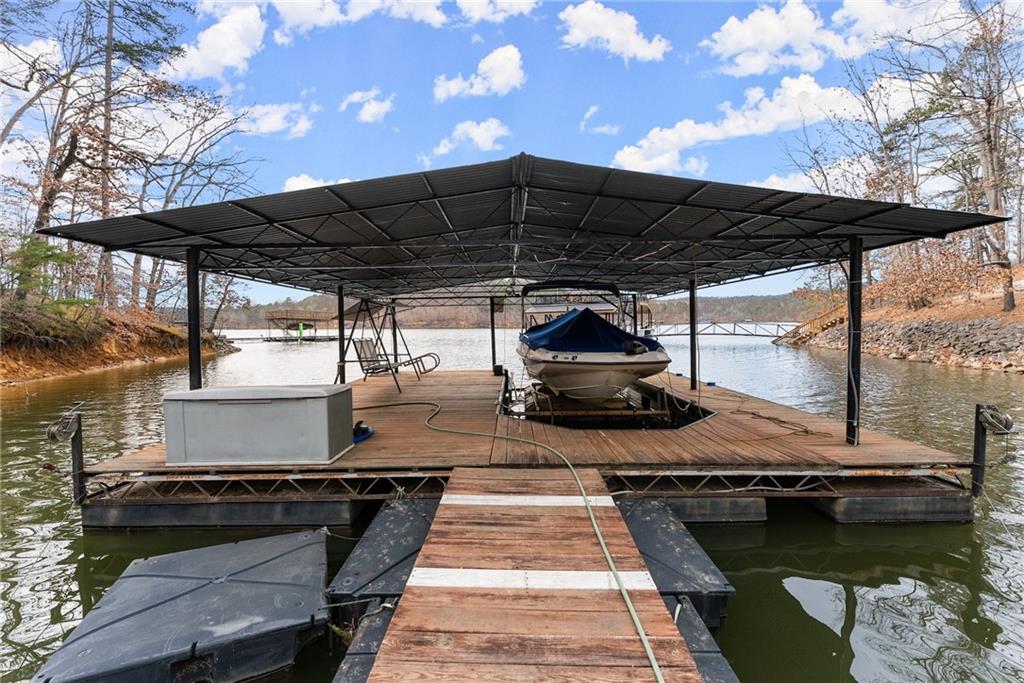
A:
x,y
483,228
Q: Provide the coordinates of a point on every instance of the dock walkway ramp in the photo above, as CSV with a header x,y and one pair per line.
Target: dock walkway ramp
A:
x,y
511,584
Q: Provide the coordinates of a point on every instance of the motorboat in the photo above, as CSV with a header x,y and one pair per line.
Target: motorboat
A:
x,y
582,356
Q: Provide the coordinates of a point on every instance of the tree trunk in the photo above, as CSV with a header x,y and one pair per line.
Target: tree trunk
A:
x,y
220,304
133,302
105,271
156,279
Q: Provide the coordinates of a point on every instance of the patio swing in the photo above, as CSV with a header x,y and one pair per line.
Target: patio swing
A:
x,y
371,352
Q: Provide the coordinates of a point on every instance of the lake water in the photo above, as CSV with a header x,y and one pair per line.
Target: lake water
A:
x,y
815,601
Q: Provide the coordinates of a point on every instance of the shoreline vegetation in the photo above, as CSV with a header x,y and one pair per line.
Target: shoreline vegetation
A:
x,y
965,330
37,344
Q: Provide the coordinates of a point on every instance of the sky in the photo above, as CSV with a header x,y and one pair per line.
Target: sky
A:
x,y
353,90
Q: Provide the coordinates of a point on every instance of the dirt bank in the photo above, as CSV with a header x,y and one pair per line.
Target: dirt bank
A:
x,y
966,330
40,345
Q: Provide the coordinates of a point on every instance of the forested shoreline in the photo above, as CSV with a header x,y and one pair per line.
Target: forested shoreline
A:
x,y
98,126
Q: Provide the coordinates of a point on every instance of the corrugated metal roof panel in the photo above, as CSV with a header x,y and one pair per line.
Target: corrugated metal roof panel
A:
x,y
645,231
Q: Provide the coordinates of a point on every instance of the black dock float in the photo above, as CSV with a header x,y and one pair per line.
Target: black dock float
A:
x,y
914,501
381,562
712,664
227,612
677,563
717,509
220,513
369,634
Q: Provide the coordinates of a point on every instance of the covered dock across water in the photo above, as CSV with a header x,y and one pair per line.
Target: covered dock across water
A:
x,y
476,235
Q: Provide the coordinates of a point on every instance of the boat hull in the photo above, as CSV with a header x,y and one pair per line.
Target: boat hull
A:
x,y
590,376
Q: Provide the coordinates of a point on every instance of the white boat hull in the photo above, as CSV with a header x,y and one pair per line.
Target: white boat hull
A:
x,y
590,376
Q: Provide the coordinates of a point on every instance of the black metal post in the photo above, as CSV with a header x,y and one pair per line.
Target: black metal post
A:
x,y
978,464
394,336
341,334
494,343
634,315
693,334
853,340
195,332
77,461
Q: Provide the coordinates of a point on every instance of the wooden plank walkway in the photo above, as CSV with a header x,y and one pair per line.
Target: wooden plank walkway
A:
x,y
745,433
511,585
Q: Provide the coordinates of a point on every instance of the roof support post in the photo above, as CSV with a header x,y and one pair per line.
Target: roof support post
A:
x,y
394,334
494,345
340,378
634,314
194,317
693,334
853,340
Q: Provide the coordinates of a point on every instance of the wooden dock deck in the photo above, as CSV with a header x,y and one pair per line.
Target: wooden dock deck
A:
x,y
511,585
746,433
750,448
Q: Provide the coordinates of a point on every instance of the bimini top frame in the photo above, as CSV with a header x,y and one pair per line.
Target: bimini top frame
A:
x,y
473,232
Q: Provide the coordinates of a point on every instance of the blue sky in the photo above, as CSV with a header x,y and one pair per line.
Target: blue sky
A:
x,y
693,89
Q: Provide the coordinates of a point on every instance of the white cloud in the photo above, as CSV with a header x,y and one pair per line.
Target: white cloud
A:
x,y
483,135
793,182
499,73
591,24
228,44
591,110
476,39
358,97
298,17
602,129
373,109
289,118
695,166
303,181
494,11
424,11
769,39
796,36
796,102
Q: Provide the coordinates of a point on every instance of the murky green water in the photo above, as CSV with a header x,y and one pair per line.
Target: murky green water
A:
x,y
815,601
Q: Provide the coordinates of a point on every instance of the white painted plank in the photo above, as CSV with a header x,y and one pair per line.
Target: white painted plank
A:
x,y
524,579
515,500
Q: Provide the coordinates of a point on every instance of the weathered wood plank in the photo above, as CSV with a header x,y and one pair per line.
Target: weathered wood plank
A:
x,y
746,432
503,594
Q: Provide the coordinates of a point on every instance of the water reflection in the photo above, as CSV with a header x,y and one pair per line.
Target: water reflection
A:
x,y
866,603
918,603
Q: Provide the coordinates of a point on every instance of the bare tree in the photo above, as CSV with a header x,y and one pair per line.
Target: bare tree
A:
x,y
969,72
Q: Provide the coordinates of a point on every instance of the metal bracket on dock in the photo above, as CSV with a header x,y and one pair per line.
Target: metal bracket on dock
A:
x,y
987,418
68,427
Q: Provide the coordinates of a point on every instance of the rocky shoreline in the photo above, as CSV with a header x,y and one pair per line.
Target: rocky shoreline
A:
x,y
983,344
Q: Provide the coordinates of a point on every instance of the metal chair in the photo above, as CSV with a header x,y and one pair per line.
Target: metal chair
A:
x,y
374,362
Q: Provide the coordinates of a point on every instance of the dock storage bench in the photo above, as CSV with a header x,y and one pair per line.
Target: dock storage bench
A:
x,y
259,424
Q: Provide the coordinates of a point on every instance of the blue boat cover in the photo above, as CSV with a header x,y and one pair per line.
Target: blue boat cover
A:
x,y
582,331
